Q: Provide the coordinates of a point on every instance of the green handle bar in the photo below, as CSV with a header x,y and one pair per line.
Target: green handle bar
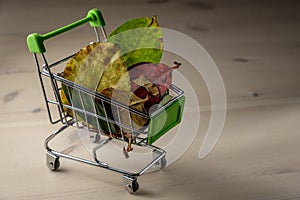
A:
x,y
35,41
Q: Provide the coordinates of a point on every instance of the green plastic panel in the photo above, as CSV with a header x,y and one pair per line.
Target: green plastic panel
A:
x,y
163,121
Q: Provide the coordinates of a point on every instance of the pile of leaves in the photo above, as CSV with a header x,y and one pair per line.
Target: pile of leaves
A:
x,y
125,68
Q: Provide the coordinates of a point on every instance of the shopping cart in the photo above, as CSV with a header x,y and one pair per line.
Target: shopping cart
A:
x,y
161,120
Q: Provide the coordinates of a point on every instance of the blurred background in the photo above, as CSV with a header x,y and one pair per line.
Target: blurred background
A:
x,y
256,46
244,38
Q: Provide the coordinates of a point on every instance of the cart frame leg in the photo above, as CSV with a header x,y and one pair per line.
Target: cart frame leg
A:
x,y
129,179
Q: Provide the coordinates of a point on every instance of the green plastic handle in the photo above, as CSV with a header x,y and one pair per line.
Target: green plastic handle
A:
x,y
35,41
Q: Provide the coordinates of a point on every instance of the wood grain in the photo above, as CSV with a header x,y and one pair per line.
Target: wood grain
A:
x,y
256,46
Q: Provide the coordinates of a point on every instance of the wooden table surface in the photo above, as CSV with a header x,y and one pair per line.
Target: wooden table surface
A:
x,y
256,45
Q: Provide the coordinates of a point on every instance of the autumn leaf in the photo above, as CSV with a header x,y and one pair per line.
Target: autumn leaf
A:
x,y
97,67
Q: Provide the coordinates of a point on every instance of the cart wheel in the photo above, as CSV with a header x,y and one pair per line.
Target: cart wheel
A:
x,y
52,161
95,137
131,184
162,163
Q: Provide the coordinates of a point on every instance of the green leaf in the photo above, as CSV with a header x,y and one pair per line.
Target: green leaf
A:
x,y
140,40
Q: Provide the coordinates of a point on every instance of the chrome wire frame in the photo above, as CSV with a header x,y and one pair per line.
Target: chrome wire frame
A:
x,y
56,82
160,154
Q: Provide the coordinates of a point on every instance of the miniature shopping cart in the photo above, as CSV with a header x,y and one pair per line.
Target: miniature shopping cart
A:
x,y
161,120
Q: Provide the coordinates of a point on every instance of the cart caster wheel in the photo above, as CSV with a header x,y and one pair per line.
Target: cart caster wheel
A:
x,y
162,163
52,161
95,137
131,184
